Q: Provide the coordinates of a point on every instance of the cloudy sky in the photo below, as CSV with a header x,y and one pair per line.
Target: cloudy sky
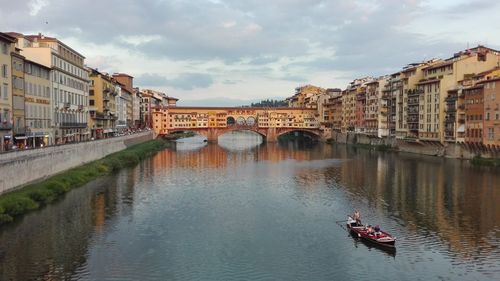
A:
x,y
231,52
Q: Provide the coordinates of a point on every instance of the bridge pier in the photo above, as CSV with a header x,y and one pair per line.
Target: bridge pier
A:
x,y
271,135
212,135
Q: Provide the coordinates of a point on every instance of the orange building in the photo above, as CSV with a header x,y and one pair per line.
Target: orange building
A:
x,y
491,122
474,112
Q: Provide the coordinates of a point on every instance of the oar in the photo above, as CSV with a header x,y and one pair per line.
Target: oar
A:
x,y
340,221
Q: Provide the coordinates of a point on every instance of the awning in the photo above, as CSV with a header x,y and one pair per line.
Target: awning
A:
x,y
7,137
108,131
69,135
86,133
461,129
21,137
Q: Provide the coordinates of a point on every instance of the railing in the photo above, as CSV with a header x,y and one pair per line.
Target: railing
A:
x,y
5,126
73,125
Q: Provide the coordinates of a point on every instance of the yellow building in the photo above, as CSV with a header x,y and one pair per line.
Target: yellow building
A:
x,y
102,104
37,103
444,76
7,46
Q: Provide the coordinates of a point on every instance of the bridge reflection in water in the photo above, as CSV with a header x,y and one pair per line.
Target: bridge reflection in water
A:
x,y
129,225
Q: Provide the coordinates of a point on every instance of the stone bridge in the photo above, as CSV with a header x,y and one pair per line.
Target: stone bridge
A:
x,y
213,122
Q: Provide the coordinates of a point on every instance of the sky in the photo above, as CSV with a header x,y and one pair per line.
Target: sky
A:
x,y
221,52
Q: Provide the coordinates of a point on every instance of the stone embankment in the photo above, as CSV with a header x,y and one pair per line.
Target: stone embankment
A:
x,y
449,150
23,167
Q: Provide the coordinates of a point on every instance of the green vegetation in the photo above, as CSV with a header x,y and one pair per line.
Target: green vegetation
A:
x,y
270,103
37,195
479,161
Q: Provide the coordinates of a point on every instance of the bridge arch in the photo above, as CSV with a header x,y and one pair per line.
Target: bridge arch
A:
x,y
314,133
203,133
243,129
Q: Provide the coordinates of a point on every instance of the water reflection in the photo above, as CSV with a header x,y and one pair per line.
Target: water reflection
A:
x,y
246,209
52,244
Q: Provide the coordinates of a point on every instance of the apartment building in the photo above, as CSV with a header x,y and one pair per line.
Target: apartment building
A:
x,y
491,123
306,96
102,104
441,79
7,46
70,85
37,84
474,112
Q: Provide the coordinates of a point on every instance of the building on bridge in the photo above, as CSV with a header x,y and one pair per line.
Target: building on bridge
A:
x,y
213,122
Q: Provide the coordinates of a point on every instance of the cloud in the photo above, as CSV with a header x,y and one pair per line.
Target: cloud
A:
x,y
188,45
185,81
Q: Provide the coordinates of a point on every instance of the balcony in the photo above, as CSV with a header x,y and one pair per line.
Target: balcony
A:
x,y
67,105
5,126
450,98
73,125
80,107
451,109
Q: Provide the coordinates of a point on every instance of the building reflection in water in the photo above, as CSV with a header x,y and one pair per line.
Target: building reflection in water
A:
x,y
54,242
447,197
423,196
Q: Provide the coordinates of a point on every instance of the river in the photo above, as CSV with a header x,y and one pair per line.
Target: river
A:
x,y
240,210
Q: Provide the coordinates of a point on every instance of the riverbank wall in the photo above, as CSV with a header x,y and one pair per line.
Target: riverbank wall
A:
x,y
449,150
20,168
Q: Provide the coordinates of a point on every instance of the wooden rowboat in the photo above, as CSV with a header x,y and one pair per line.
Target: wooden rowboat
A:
x,y
379,237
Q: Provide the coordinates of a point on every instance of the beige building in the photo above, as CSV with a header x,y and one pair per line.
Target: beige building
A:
x,y
442,77
7,46
19,124
69,89
407,101
37,103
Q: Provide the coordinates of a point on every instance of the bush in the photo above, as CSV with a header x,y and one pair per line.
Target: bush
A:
x,y
42,195
19,205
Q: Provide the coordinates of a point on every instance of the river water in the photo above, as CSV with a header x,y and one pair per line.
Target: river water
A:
x,y
240,210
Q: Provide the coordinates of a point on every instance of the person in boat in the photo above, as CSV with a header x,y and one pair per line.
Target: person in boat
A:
x,y
369,230
357,217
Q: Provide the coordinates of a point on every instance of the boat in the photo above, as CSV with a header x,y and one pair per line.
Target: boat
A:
x,y
376,236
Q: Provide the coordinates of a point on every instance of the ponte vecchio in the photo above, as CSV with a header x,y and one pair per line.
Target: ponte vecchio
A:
x,y
213,122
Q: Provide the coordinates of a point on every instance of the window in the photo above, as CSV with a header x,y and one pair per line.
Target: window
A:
x,y
91,102
4,48
5,91
4,71
491,133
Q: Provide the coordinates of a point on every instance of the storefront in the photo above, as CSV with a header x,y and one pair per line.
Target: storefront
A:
x,y
6,143
21,142
108,133
38,139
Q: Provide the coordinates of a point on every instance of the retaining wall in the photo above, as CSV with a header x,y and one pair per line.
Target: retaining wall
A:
x,y
23,167
449,150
